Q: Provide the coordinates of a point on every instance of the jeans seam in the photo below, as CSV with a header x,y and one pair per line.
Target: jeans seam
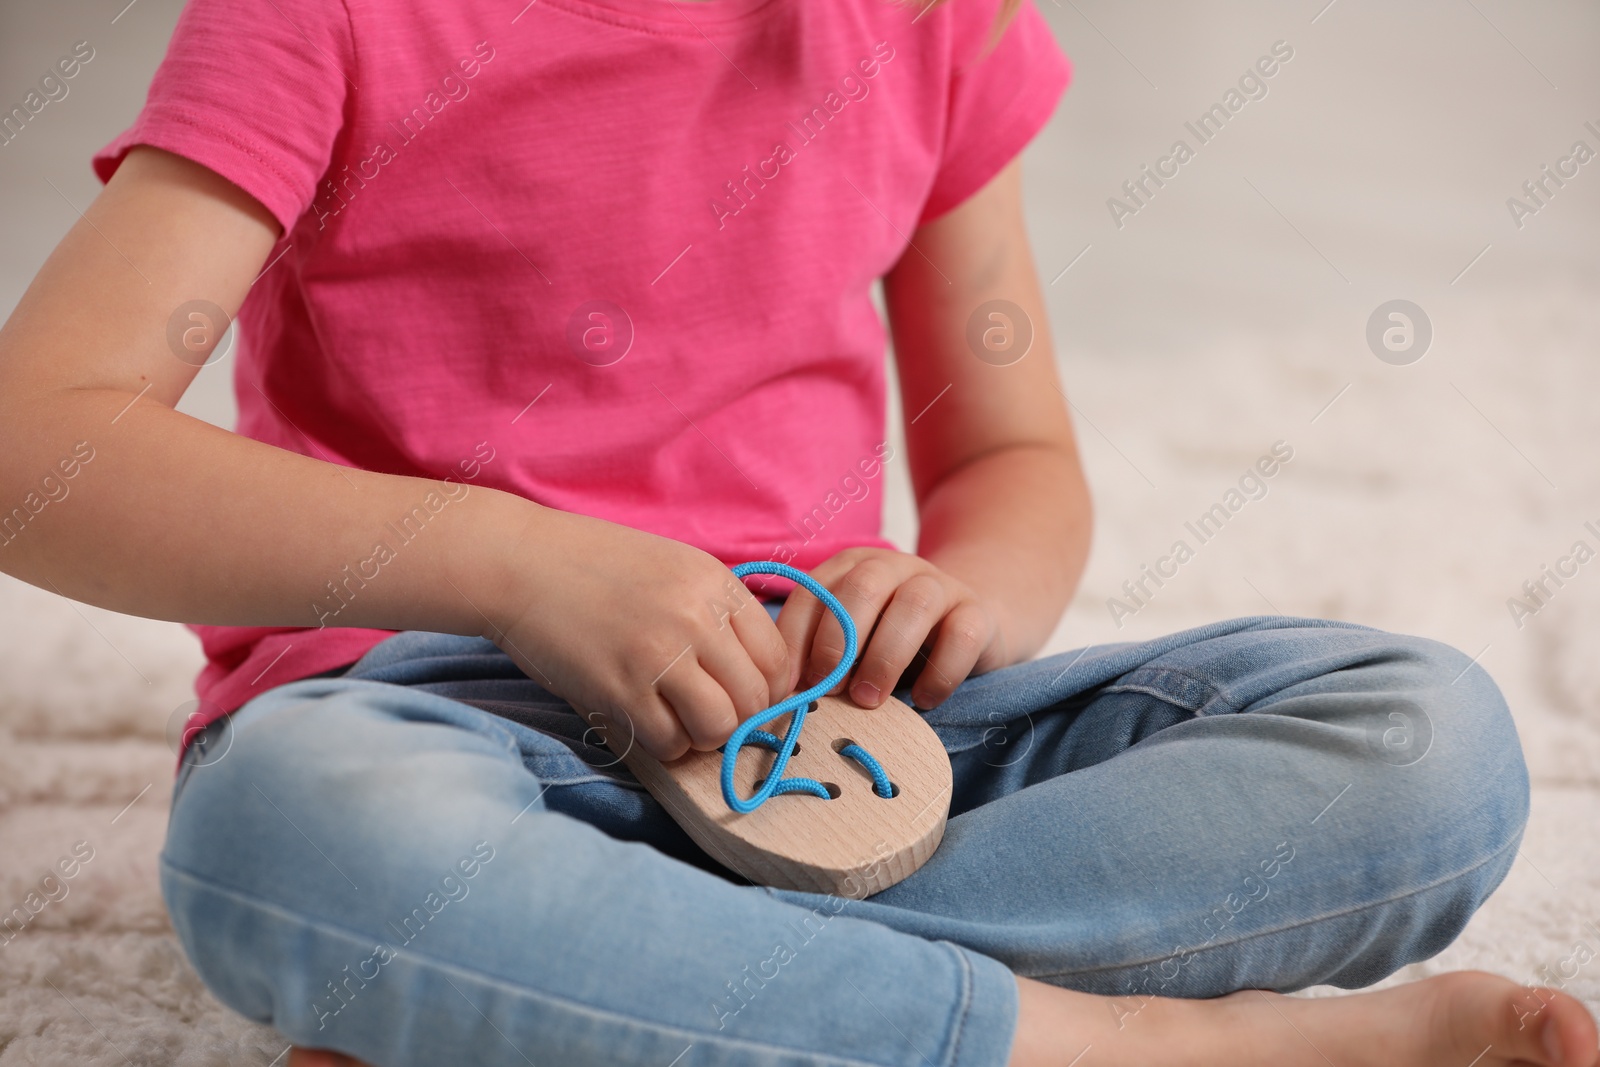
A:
x,y
590,779
485,978
960,1020
1510,843
1214,693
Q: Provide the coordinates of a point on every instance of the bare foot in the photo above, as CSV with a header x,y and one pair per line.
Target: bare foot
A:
x,y
316,1057
1463,1019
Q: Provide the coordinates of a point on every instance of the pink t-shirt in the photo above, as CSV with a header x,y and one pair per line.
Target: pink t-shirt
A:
x,y
612,255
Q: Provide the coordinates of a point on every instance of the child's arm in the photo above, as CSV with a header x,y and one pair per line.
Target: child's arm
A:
x,y
1005,512
168,517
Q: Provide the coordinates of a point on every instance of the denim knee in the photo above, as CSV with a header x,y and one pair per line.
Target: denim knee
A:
x,y
1427,812
209,836
1471,732
1444,753
314,793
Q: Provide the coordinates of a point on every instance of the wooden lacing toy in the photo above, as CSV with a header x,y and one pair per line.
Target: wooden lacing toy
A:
x,y
870,806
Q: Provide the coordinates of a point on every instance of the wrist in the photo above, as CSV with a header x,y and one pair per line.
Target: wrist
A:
x,y
1018,613
494,575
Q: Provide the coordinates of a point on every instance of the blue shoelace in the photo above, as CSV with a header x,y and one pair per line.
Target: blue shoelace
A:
x,y
800,703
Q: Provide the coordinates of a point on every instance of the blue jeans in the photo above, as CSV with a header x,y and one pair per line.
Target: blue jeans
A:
x,y
430,860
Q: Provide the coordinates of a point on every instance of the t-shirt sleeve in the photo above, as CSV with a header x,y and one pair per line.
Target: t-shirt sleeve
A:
x,y
254,91
998,100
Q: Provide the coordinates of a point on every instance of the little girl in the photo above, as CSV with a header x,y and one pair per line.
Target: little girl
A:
x,y
550,312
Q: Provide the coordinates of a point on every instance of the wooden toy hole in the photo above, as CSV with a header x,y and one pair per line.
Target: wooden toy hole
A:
x,y
834,792
842,743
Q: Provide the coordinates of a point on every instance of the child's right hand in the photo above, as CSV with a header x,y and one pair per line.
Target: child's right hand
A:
x,y
657,638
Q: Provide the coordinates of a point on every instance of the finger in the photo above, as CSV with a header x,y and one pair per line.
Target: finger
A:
x,y
801,614
963,635
913,612
702,707
797,622
649,724
726,659
763,647
862,591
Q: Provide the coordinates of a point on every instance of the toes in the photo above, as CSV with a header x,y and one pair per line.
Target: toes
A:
x,y
1569,1031
1550,1029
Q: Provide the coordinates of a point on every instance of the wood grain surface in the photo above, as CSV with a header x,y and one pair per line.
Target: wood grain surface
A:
x,y
854,845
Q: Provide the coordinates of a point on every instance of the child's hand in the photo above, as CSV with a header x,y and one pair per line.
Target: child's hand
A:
x,y
657,638
915,607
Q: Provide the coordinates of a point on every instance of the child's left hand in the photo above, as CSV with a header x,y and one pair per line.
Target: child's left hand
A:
x,y
905,610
